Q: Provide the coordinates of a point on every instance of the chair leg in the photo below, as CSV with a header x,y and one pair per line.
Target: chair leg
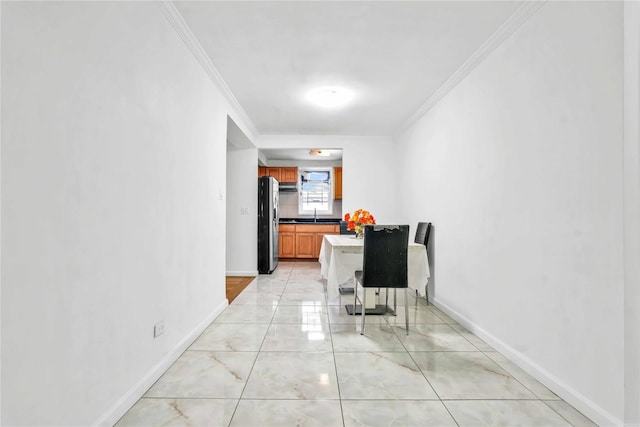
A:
x,y
395,300
363,312
406,310
355,303
426,293
355,296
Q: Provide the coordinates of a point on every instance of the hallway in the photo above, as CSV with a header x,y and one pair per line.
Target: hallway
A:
x,y
282,355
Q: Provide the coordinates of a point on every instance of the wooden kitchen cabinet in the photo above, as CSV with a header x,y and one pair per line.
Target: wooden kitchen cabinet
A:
x,y
303,240
318,243
311,238
321,230
287,241
274,172
337,183
289,174
305,245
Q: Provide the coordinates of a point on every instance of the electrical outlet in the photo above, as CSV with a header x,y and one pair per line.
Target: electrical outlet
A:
x,y
244,211
158,329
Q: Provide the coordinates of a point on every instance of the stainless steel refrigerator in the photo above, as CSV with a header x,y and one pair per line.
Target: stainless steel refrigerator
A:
x,y
268,218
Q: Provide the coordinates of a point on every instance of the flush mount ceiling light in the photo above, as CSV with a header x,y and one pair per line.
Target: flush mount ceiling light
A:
x,y
321,153
330,97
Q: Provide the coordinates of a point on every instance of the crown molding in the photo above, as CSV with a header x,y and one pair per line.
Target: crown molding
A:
x,y
515,21
180,26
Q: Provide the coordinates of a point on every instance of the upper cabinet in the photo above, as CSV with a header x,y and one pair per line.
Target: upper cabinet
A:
x,y
281,174
337,183
289,174
274,172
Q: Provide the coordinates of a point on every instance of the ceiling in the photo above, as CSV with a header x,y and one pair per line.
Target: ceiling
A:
x,y
393,55
300,154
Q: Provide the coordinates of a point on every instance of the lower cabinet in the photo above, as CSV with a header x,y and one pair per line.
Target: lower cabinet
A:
x,y
303,241
287,241
318,242
305,245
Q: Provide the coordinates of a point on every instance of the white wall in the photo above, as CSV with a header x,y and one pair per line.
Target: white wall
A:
x,y
0,215
520,168
242,211
368,181
113,210
242,202
632,211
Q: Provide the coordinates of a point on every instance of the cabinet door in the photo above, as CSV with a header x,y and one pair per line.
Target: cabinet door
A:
x,y
262,171
274,172
319,238
286,243
289,174
327,229
337,183
305,245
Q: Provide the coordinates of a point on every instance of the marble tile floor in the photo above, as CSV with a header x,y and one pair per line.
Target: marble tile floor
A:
x,y
282,354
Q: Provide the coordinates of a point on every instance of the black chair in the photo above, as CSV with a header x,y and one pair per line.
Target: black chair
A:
x,y
384,264
422,236
422,233
344,229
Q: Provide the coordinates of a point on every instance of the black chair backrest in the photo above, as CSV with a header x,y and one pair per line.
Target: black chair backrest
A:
x,y
344,229
384,262
422,233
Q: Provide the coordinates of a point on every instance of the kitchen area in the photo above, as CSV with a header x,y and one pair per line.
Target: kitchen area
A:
x,y
307,206
355,185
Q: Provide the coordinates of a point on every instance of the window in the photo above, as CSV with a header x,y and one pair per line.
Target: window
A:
x,y
315,191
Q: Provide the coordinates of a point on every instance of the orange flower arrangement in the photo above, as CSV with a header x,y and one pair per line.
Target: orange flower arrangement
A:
x,y
359,218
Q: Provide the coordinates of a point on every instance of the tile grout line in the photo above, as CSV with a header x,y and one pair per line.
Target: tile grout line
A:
x,y
333,350
259,350
427,379
294,314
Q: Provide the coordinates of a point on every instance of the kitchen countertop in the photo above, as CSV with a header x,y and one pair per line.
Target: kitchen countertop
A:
x,y
335,221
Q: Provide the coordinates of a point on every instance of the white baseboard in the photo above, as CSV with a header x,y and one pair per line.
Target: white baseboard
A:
x,y
587,407
131,397
242,273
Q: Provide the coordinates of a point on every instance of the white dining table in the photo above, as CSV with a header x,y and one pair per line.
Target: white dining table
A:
x,y
341,255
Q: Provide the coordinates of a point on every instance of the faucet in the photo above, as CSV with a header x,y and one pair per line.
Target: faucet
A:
x,y
315,219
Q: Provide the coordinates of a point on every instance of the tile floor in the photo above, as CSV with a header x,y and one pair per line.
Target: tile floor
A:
x,y
282,354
